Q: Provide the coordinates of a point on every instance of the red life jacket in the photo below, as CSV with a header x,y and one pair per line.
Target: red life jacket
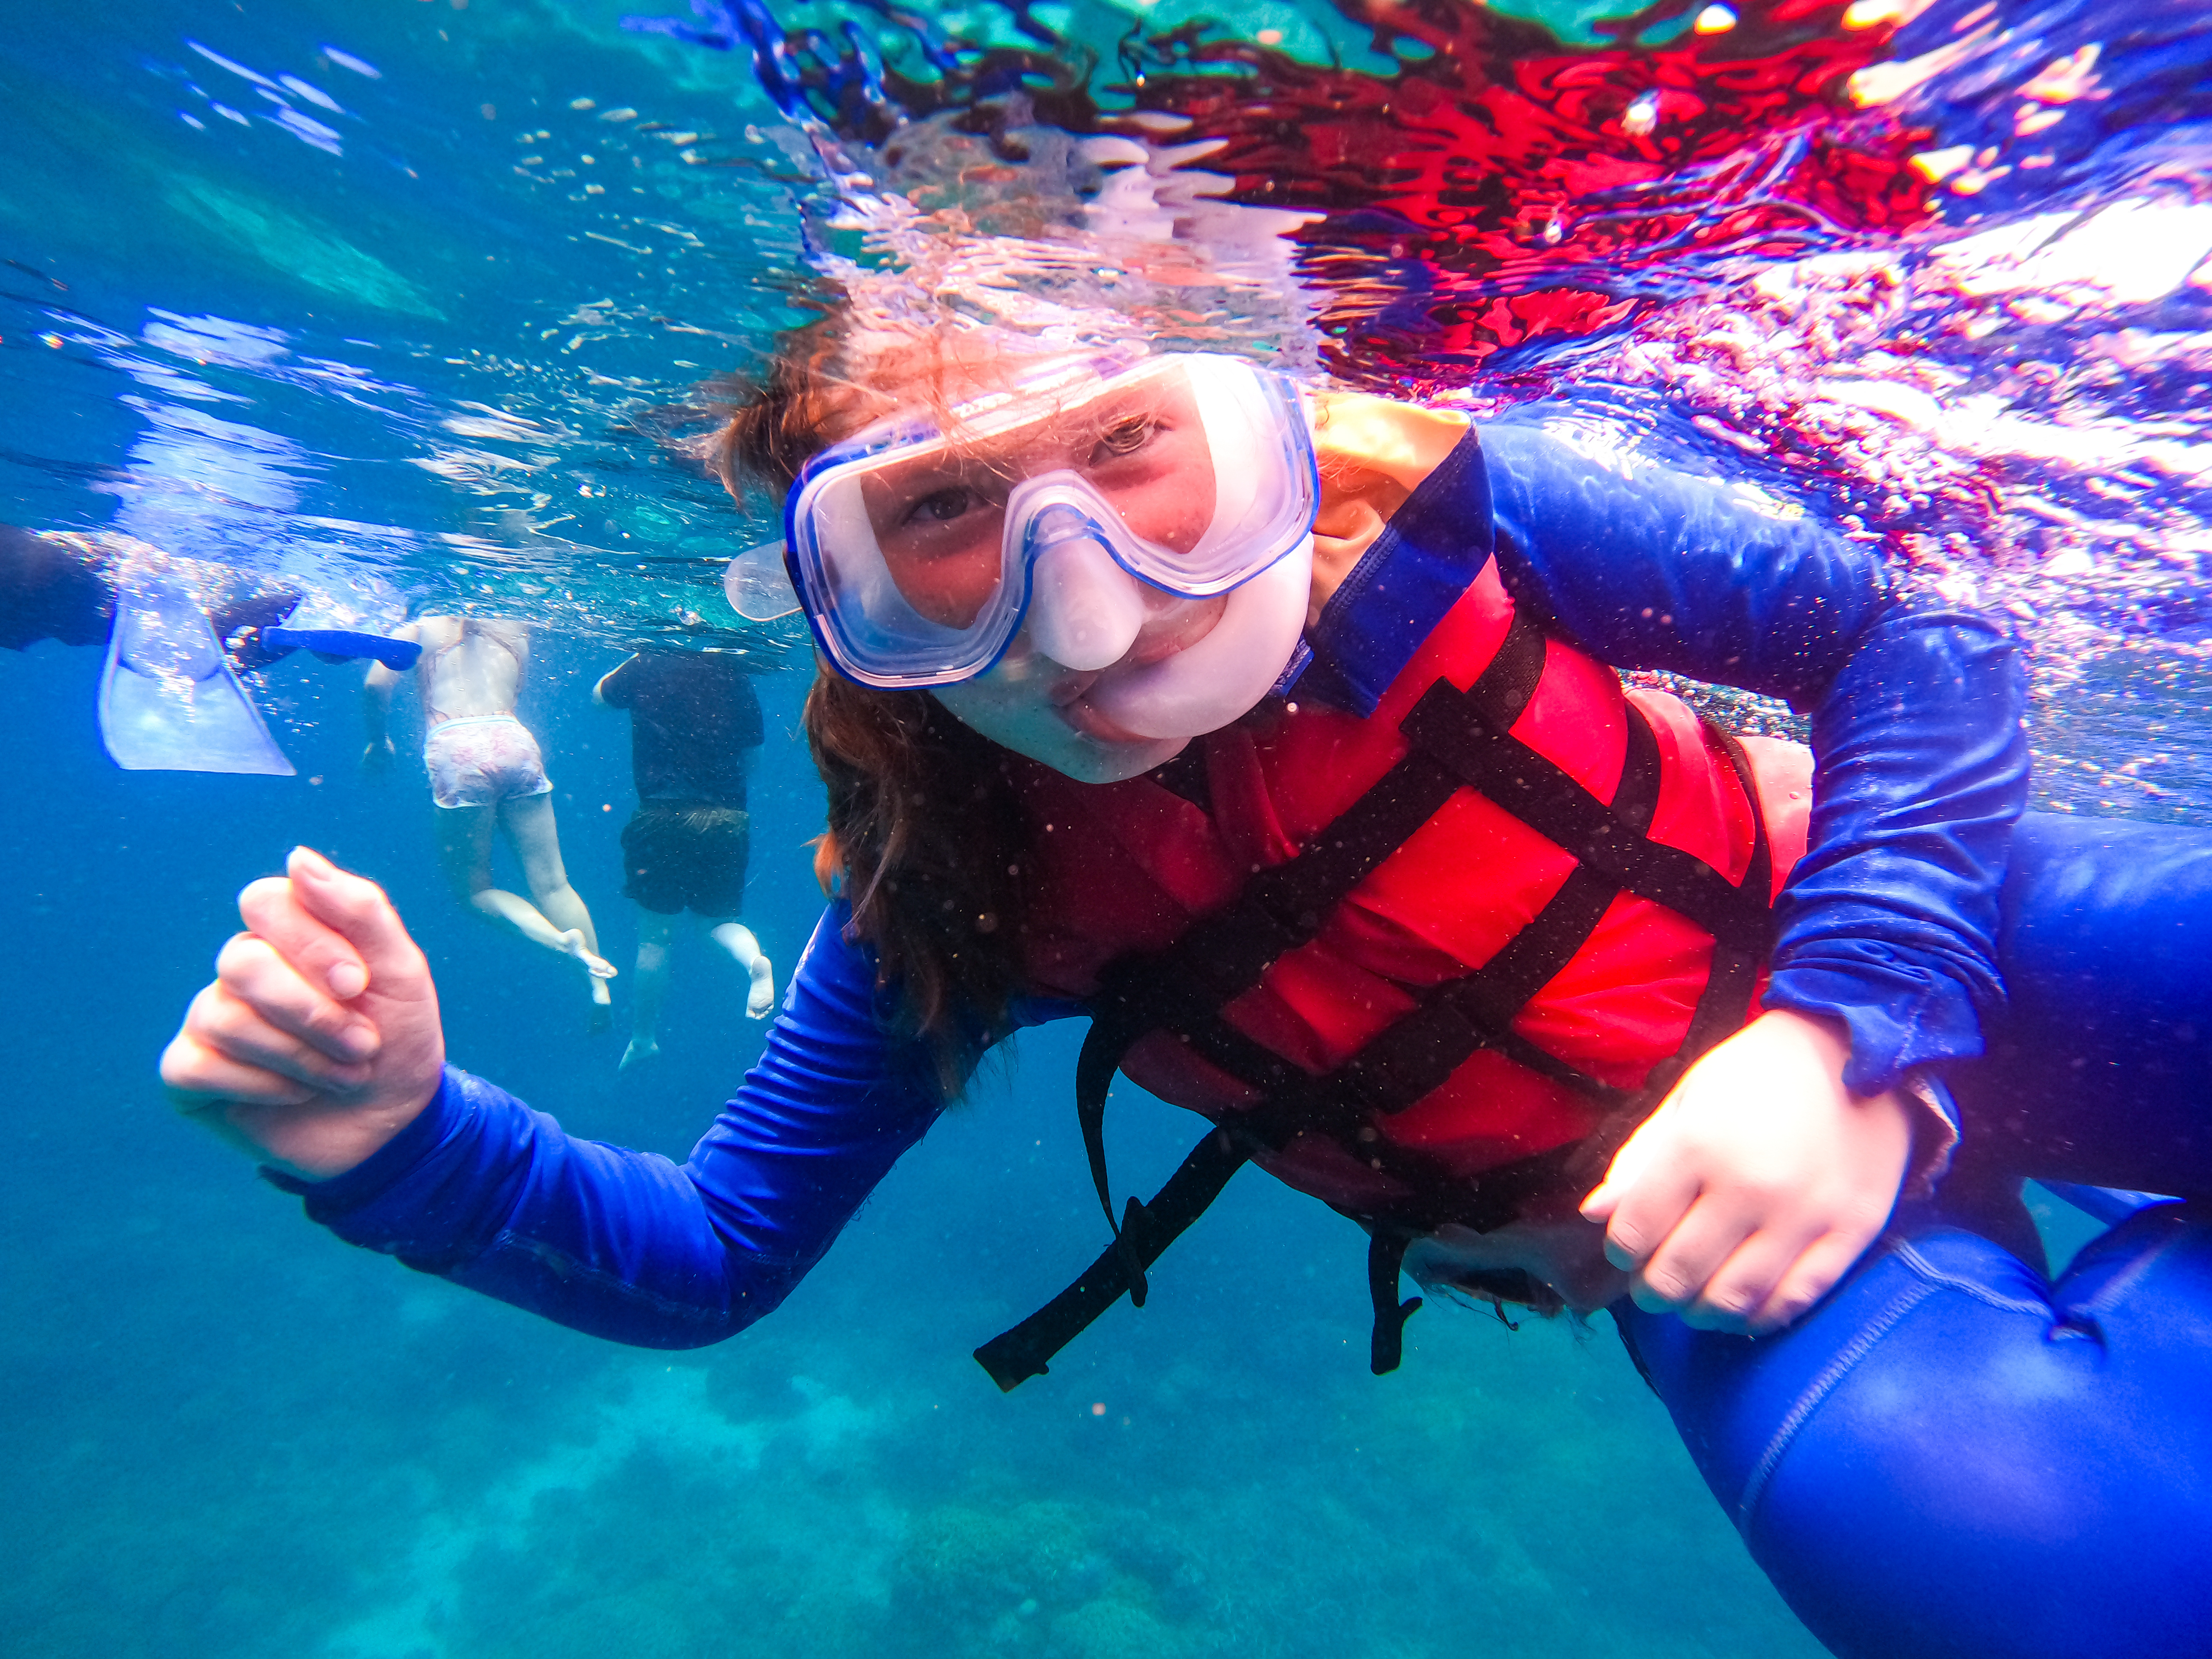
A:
x,y
1406,962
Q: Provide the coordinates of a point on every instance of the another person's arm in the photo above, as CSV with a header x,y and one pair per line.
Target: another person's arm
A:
x,y
318,1051
1886,948
376,752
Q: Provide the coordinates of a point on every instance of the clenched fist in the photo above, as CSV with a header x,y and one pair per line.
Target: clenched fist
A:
x,y
320,1039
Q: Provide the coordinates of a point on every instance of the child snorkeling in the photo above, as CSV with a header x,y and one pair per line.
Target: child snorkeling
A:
x,y
1280,735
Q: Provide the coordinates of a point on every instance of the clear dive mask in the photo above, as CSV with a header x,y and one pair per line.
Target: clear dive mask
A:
x,y
918,548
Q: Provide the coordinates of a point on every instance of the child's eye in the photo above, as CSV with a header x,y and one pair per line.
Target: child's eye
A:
x,y
1125,437
940,507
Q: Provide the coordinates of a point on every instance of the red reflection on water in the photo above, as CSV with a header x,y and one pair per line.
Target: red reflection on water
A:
x,y
1505,187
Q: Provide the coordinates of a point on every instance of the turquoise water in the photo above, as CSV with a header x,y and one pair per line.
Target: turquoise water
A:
x,y
391,323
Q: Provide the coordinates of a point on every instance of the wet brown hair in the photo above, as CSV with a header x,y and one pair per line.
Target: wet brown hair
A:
x,y
925,835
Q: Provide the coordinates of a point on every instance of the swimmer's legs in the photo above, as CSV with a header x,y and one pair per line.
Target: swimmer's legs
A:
x,y
655,935
1950,1457
648,990
528,821
465,840
745,950
464,846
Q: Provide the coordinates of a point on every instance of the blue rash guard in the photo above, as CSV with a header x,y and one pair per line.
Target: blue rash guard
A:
x,y
1888,924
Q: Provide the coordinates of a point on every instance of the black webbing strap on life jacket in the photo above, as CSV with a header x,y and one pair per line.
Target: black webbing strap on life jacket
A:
x,y
1488,1200
1219,959
1489,759
1458,738
1385,1255
1015,1356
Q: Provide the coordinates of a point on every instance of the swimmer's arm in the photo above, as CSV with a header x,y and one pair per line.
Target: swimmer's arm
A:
x,y
376,689
626,1245
1888,924
1776,1161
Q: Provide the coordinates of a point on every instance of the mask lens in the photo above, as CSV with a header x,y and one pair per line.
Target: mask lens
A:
x,y
1143,447
1195,471
940,520
939,516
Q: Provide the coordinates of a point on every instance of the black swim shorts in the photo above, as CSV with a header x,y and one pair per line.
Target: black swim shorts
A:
x,y
680,853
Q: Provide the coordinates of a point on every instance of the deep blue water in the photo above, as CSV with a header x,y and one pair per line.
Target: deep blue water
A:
x,y
400,342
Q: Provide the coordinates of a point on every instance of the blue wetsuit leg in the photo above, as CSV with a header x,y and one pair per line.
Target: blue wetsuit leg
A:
x,y
1946,1460
2099,1069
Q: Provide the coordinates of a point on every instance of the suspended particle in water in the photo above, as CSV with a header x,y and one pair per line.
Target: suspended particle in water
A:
x,y
346,60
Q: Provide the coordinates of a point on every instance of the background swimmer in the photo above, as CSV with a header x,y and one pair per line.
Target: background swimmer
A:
x,y
694,725
486,775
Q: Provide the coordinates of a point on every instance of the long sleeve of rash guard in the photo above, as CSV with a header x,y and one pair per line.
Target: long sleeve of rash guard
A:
x,y
483,1191
1889,921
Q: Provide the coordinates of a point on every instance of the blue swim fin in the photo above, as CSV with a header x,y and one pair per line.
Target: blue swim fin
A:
x,y
333,630
169,700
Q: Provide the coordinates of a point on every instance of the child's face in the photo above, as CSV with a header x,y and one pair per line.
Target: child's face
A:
x,y
1027,701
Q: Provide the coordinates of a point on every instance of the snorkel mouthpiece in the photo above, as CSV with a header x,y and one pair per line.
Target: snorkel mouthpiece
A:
x,y
1085,609
1207,686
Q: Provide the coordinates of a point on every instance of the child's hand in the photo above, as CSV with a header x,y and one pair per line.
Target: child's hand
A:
x,y
1756,1183
320,1039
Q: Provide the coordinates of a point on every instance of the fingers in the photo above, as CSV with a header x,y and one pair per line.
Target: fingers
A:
x,y
1734,1294
1767,1281
1599,1204
1646,1209
320,954
1677,1267
231,1035
286,996
1628,1166
1815,1272
357,910
199,1078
